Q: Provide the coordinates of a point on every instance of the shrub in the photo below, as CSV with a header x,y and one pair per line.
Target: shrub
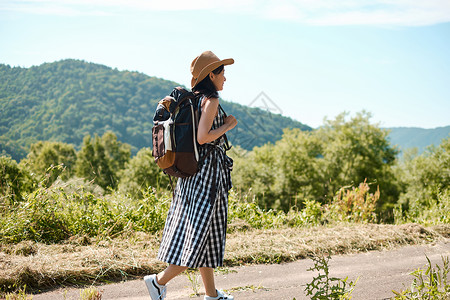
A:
x,y
353,205
311,214
431,212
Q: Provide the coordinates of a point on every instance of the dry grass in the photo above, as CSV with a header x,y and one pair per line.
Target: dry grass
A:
x,y
282,245
81,261
74,263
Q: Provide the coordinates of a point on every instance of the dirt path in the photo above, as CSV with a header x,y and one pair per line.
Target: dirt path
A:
x,y
379,273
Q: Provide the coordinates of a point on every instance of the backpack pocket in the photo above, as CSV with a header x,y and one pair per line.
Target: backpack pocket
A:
x,y
162,138
158,140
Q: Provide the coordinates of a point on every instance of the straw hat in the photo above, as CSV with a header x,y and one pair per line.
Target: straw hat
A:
x,y
204,64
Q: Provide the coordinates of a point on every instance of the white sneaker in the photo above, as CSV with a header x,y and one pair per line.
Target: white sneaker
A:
x,y
220,296
156,291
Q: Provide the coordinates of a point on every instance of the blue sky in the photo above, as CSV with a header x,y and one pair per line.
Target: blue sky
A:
x,y
312,58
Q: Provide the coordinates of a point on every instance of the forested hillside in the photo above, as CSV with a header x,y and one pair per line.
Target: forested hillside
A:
x,y
69,99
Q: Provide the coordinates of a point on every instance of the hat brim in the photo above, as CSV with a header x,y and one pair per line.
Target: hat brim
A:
x,y
209,68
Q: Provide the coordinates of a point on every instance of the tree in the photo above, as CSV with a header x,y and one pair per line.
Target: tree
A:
x,y
101,160
140,173
255,170
11,148
14,181
45,155
315,165
355,151
426,180
86,161
118,153
299,164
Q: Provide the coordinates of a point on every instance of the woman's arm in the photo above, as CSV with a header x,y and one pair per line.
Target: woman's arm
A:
x,y
205,134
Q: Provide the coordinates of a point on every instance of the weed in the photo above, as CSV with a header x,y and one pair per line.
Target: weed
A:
x,y
194,278
354,205
224,270
252,288
324,287
428,284
20,295
91,293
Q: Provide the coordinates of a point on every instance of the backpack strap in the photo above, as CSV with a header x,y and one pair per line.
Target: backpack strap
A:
x,y
171,185
227,145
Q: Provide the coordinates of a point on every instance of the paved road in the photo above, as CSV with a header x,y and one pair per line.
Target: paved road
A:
x,y
379,273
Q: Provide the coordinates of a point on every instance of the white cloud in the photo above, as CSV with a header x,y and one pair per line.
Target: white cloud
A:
x,y
360,12
80,7
312,12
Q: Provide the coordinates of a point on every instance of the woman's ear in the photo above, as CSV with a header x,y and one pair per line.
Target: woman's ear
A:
x,y
211,75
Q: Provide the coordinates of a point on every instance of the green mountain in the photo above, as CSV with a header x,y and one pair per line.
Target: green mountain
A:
x,y
420,138
66,100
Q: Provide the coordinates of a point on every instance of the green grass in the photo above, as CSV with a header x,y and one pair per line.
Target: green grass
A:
x,y
52,215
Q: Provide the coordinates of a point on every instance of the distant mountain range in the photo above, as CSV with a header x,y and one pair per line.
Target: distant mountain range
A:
x,y
420,138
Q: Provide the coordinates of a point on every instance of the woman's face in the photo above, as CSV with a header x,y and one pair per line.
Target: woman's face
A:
x,y
218,79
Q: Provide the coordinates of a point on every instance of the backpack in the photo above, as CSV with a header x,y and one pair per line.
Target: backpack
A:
x,y
174,133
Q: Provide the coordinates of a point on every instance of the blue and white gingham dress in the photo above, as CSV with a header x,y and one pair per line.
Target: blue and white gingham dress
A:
x,y
195,229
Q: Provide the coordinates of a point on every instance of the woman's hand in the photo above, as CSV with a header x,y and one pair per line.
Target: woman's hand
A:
x,y
230,121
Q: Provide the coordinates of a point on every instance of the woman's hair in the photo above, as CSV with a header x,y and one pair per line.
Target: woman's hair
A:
x,y
206,86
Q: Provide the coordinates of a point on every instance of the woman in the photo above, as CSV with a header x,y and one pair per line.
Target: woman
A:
x,y
194,234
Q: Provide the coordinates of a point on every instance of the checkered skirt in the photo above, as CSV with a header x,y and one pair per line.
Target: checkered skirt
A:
x,y
195,229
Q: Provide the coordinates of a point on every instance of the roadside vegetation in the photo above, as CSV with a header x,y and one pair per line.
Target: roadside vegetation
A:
x,y
431,283
95,215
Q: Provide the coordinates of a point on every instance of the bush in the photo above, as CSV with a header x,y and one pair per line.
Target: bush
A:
x,y
311,214
353,205
51,215
349,205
